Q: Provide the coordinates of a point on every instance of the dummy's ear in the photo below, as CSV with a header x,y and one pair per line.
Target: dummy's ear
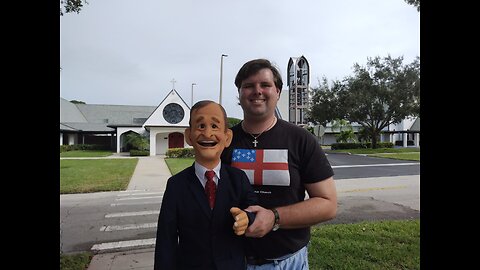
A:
x,y
187,136
228,137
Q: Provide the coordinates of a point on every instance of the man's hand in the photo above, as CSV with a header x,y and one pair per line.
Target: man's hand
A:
x,y
241,220
263,223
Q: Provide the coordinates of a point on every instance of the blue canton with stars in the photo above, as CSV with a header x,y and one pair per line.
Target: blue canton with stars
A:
x,y
244,155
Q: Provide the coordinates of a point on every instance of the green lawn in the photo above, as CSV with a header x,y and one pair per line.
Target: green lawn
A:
x,y
95,175
366,245
92,153
78,261
408,153
415,156
175,165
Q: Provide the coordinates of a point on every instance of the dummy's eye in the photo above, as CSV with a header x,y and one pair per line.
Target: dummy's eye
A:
x,y
201,126
214,126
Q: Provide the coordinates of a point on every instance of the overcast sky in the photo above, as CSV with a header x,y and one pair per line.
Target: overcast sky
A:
x,y
126,52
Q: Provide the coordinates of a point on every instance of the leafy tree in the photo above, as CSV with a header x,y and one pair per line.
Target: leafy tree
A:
x,y
136,141
382,93
325,100
415,3
67,6
232,121
77,101
346,133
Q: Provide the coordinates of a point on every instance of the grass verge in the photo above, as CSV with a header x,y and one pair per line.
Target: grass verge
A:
x,y
78,261
369,245
408,153
393,244
95,175
176,165
81,153
415,156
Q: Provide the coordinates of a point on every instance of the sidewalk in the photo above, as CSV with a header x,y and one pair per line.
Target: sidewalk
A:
x,y
152,173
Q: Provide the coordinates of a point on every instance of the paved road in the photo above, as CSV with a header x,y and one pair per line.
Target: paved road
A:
x,y
348,166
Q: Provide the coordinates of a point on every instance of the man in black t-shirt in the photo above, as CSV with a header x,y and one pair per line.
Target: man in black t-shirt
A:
x,y
282,161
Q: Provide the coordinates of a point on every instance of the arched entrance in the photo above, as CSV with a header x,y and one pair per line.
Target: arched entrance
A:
x,y
175,140
124,146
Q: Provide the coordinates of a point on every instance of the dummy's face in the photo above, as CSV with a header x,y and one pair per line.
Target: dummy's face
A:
x,y
207,134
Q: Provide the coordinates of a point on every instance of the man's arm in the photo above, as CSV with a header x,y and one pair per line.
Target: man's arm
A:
x,y
321,206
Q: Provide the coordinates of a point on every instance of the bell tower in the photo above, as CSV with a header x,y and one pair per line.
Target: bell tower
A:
x,y
298,71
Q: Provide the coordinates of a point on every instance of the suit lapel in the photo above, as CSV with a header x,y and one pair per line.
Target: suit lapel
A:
x,y
198,192
223,191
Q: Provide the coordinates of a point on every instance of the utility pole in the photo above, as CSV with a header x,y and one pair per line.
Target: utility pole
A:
x,y
221,75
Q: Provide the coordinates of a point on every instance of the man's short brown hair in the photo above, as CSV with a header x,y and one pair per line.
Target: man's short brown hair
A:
x,y
252,67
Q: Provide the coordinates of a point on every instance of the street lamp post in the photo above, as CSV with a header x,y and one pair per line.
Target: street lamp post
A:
x,y
191,102
221,75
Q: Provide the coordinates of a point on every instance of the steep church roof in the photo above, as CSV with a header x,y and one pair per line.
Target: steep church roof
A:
x,y
100,118
70,113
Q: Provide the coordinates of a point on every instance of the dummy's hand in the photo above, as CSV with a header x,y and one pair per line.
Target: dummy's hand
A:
x,y
241,220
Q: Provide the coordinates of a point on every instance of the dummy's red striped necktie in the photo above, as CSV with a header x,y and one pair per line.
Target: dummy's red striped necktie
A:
x,y
210,188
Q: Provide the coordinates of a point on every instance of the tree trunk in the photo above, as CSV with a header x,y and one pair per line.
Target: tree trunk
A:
x,y
374,141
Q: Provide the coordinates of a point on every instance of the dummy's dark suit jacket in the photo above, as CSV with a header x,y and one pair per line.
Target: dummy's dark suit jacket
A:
x,y
192,236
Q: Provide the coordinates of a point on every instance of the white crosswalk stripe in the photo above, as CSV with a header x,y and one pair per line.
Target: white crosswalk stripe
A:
x,y
128,200
131,214
128,227
123,244
135,203
138,198
147,193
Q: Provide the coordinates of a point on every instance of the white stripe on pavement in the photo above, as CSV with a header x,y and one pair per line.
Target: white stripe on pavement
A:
x,y
131,214
369,189
135,203
138,198
124,244
128,227
147,193
375,165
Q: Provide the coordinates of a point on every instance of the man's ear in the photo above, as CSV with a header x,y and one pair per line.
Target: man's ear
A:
x,y
228,137
187,136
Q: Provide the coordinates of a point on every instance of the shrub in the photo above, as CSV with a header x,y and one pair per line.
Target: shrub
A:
x,y
339,146
72,147
134,152
400,143
180,153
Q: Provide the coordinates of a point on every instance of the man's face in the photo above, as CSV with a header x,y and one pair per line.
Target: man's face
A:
x,y
207,134
258,94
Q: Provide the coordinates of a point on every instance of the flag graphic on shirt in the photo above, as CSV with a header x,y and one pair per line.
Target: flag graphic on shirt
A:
x,y
263,166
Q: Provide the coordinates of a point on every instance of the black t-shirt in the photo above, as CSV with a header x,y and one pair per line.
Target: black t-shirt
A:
x,y
285,158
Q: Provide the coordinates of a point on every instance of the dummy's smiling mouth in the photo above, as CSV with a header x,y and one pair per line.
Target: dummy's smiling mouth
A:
x,y
207,143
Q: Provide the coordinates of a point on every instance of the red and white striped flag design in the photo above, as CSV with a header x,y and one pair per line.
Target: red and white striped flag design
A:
x,y
263,166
